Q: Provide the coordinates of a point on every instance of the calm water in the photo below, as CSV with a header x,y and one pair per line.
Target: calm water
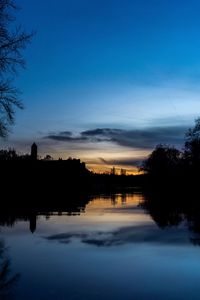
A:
x,y
112,250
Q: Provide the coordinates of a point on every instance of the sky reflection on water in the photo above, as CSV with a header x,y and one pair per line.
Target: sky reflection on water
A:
x,y
113,250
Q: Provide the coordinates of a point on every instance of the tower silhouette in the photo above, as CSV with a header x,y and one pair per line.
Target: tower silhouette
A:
x,y
32,223
34,151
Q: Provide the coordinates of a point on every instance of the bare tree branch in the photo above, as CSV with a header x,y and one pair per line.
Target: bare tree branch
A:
x,y
12,42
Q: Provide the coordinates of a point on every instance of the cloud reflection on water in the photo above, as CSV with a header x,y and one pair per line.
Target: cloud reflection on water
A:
x,y
126,235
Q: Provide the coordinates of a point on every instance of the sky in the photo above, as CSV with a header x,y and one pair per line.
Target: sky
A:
x,y
106,81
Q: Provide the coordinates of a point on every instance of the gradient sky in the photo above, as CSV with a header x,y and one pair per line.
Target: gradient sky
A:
x,y
108,80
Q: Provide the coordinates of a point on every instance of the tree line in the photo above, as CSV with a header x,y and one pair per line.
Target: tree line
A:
x,y
167,160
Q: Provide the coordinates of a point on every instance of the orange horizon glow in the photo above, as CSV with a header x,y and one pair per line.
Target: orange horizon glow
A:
x,y
105,169
103,159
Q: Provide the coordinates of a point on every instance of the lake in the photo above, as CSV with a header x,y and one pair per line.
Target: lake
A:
x,y
112,247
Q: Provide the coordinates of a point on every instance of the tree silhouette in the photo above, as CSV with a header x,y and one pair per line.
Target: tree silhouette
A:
x,y
7,155
164,160
6,279
192,145
13,39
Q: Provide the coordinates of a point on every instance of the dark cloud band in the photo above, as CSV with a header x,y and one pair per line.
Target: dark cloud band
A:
x,y
122,162
146,138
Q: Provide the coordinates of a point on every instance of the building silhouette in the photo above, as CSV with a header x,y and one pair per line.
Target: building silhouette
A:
x,y
34,151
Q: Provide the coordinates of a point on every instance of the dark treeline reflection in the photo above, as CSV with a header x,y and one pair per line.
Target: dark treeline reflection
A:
x,y
167,207
170,208
28,208
7,279
70,205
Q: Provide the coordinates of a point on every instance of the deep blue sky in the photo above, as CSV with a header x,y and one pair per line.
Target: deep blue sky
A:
x,y
132,67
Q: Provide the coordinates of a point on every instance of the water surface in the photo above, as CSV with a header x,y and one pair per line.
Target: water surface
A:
x,y
109,249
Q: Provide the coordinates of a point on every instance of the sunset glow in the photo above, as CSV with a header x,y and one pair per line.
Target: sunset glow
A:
x,y
114,87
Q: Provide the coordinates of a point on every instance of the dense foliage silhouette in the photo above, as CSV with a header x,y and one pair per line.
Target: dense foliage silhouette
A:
x,y
168,164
